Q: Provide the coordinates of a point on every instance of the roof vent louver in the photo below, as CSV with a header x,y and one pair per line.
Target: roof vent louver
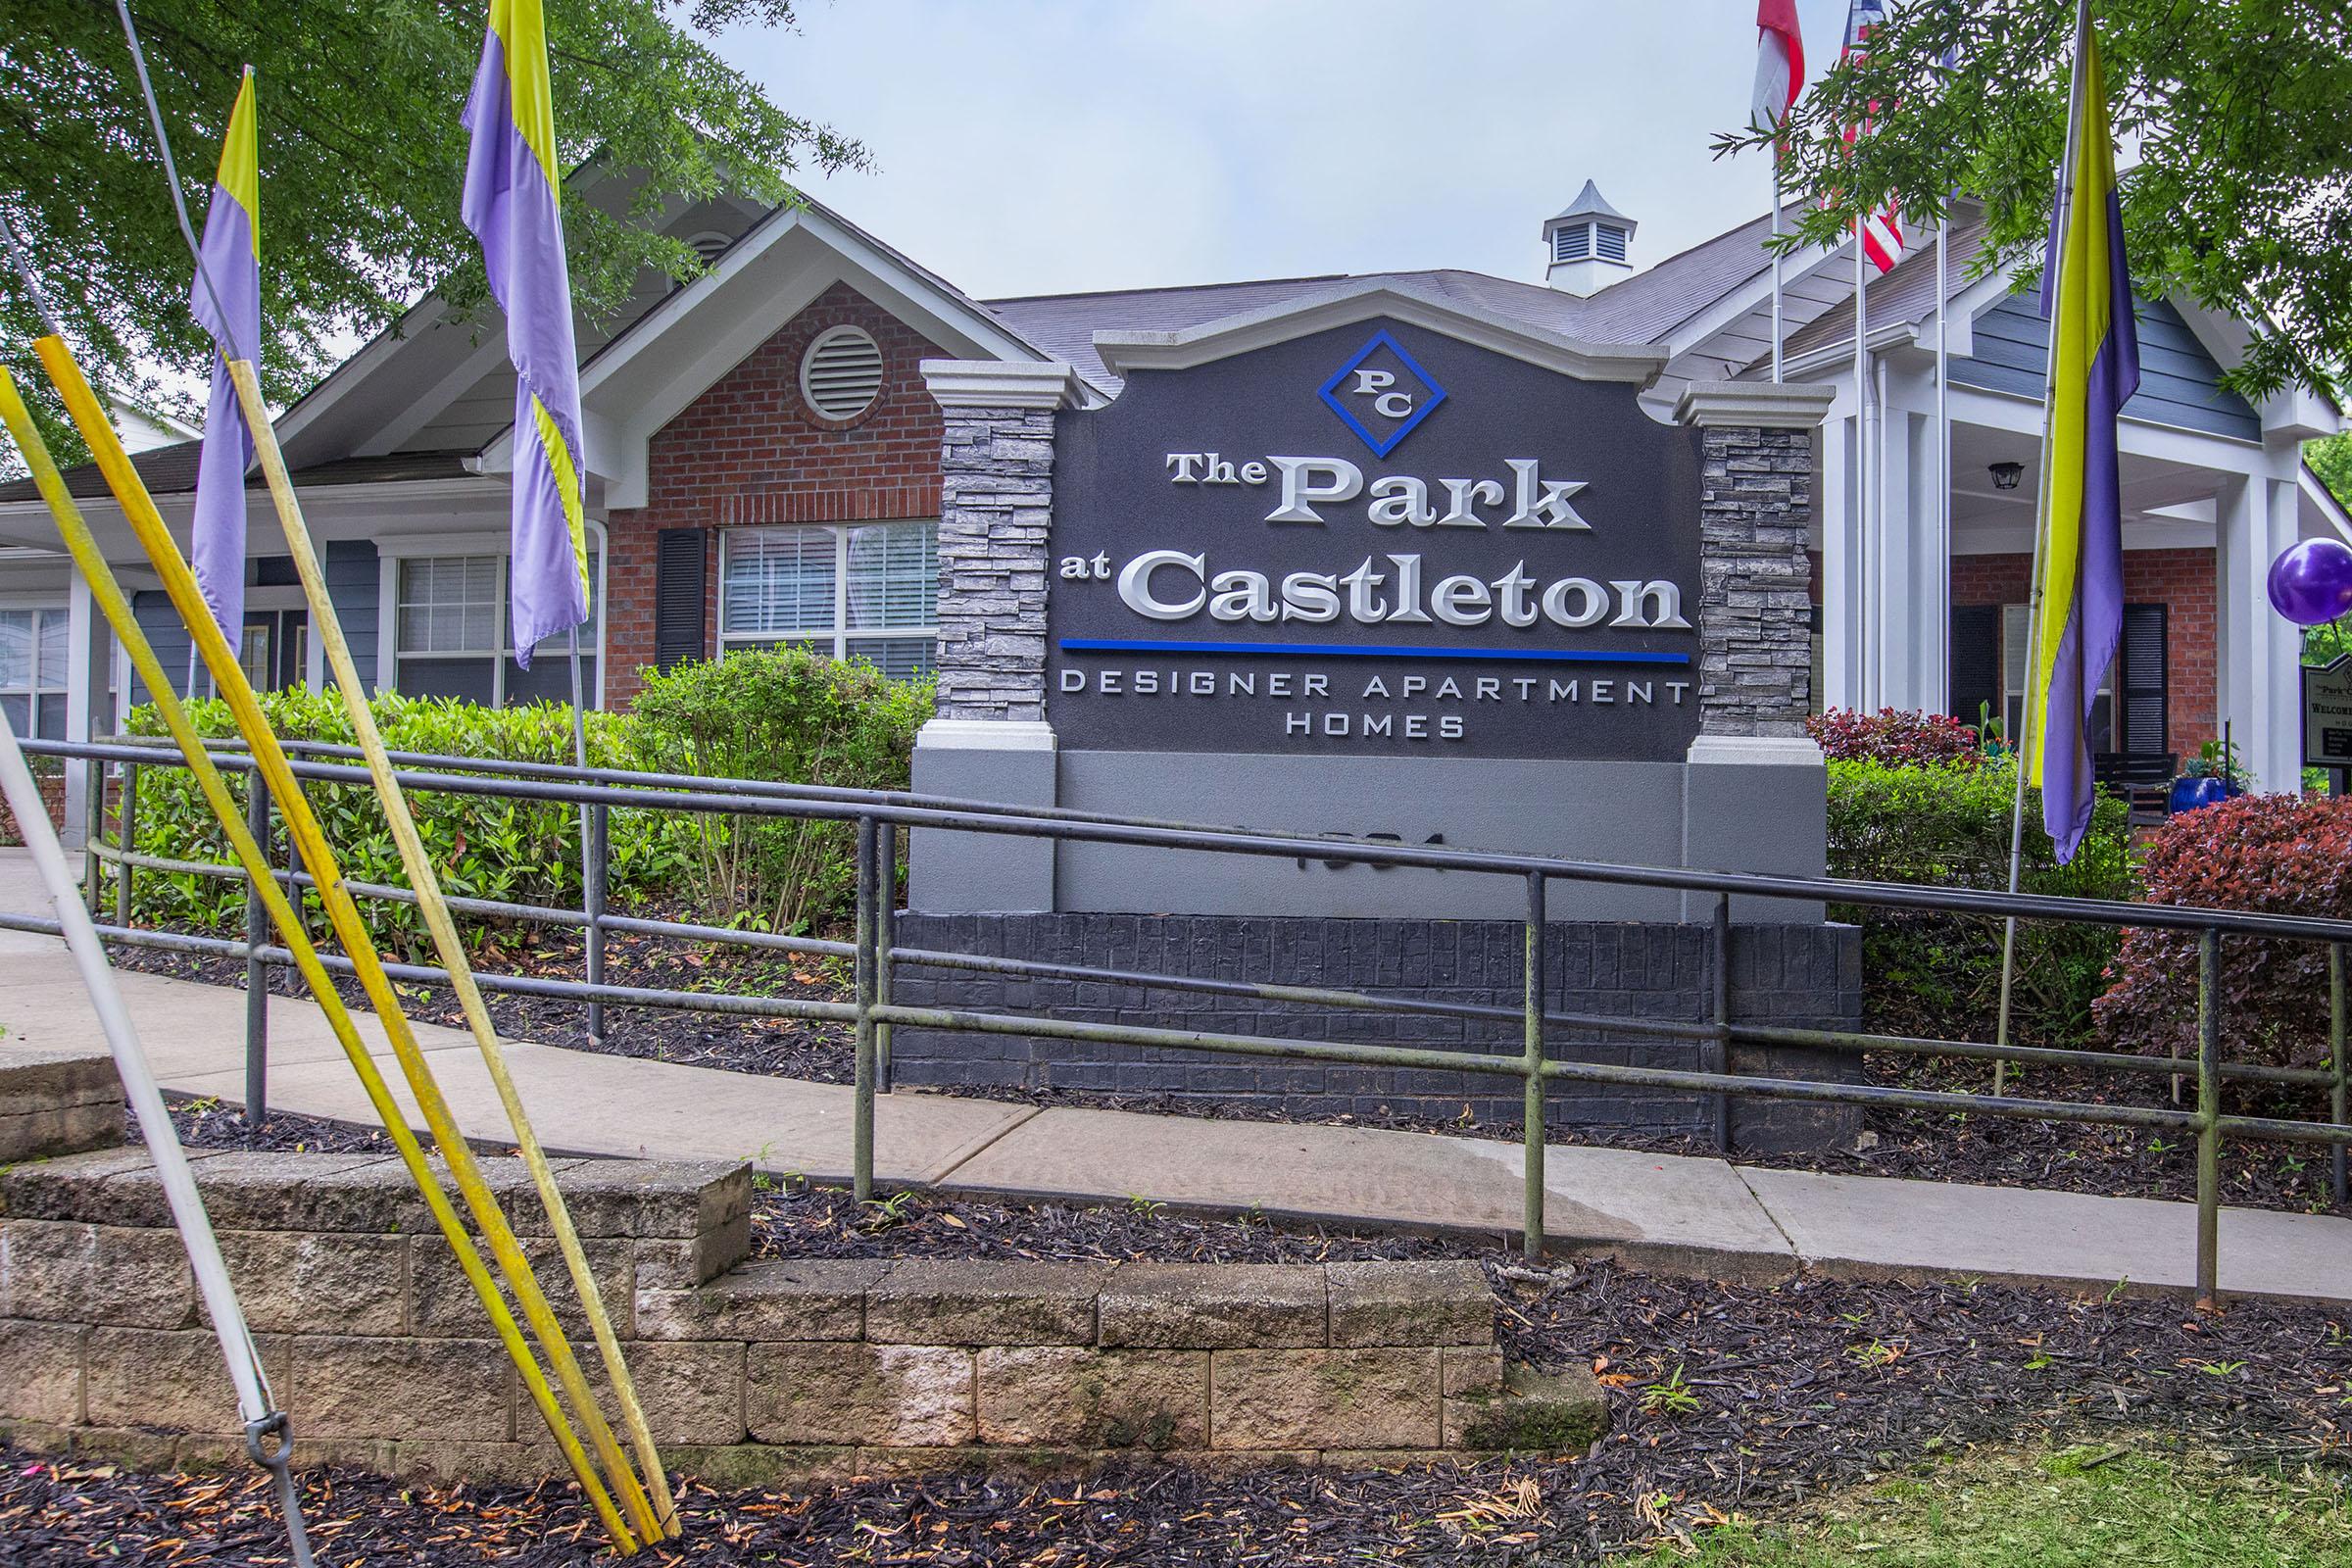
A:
x,y
841,374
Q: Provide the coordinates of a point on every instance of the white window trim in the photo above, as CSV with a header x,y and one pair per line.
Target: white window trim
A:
x,y
42,605
391,552
843,634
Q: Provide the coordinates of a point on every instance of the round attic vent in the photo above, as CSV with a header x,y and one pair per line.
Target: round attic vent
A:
x,y
842,372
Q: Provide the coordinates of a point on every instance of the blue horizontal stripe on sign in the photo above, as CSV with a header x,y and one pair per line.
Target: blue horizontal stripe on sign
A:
x,y
1565,655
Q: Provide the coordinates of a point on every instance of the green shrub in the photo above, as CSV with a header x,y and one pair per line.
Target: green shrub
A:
x,y
779,713
525,852
1948,826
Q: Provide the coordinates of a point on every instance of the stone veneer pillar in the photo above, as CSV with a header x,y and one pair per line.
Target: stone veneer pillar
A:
x,y
990,739
1755,796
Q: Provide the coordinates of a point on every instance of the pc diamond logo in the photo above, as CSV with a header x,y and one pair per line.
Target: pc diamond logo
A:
x,y
1383,394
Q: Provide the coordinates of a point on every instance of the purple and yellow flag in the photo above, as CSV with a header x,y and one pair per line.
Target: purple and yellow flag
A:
x,y
228,302
510,203
2094,368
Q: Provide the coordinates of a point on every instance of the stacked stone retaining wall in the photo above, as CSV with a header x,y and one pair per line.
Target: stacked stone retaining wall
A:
x,y
749,1371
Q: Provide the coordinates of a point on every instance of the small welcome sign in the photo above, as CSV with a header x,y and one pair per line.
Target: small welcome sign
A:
x,y
1374,539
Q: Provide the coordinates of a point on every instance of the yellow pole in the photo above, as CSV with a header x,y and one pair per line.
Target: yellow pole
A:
x,y
343,912
108,592
426,883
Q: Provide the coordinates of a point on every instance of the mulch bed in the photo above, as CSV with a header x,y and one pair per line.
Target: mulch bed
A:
x,y
1725,1398
1997,1152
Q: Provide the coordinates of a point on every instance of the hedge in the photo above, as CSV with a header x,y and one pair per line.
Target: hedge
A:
x,y
779,713
2275,854
766,714
1947,824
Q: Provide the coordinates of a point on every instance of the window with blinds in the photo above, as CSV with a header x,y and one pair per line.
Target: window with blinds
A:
x,y
1611,244
451,635
1572,242
855,591
32,671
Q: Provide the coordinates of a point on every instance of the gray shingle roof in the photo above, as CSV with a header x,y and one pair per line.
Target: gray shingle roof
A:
x,y
1645,307
1899,297
171,471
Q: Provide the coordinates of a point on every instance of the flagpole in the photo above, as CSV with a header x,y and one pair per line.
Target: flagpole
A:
x,y
2054,265
588,867
1776,257
1862,467
1943,431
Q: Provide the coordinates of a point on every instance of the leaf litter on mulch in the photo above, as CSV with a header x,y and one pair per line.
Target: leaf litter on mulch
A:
x,y
1802,1386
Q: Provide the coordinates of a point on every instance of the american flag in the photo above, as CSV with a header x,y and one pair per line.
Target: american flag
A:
x,y
1882,230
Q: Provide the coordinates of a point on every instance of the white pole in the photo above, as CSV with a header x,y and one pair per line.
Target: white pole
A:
x,y
1944,448
255,1404
2041,526
1863,553
1776,260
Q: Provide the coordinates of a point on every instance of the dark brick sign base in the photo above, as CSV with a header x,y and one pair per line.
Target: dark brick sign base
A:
x,y
1784,974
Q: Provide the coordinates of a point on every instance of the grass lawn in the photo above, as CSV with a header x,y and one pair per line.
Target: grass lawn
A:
x,y
2093,1507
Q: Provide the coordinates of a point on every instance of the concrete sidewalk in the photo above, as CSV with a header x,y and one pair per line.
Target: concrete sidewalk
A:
x,y
1678,1213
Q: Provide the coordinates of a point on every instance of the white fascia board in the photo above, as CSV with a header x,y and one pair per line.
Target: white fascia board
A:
x,y
354,373
2321,508
2202,449
422,409
1344,305
1836,356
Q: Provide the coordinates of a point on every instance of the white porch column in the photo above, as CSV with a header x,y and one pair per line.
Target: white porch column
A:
x,y
1910,605
1842,629
89,662
2259,649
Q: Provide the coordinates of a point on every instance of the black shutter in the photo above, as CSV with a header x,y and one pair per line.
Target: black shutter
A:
x,y
679,592
2141,679
1976,672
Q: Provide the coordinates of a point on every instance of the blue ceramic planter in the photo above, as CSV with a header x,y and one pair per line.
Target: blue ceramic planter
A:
x,y
2190,793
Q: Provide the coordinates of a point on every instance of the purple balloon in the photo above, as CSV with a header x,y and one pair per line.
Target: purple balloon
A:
x,y
2311,583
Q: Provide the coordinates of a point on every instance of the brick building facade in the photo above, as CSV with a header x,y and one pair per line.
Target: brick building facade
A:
x,y
752,451
2182,581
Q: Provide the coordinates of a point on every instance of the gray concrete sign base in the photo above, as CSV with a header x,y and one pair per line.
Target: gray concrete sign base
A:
x,y
1680,1214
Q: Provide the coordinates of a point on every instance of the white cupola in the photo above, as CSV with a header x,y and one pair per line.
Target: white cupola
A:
x,y
1587,246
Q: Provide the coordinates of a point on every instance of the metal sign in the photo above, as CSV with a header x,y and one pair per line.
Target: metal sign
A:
x,y
2328,714
1373,540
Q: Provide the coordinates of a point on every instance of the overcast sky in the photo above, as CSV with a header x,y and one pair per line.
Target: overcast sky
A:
x,y
1044,146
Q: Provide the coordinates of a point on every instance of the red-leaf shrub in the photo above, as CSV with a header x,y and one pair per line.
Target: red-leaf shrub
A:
x,y
2271,853
1892,736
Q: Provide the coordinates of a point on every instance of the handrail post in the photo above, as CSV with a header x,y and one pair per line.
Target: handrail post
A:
x,y
886,882
257,973
2336,1064
126,833
593,876
1720,1015
1532,1218
2209,1118
861,1181
93,829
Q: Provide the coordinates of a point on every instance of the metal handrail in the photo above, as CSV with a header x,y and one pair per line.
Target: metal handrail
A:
x,y
878,814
